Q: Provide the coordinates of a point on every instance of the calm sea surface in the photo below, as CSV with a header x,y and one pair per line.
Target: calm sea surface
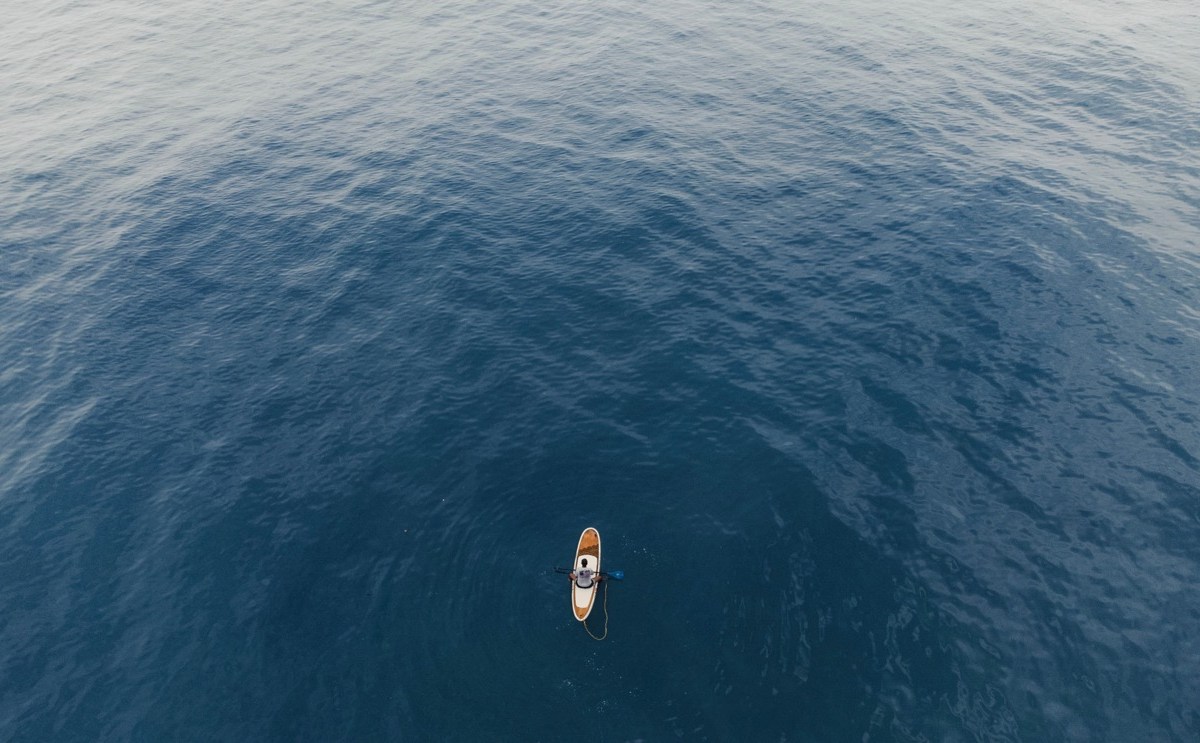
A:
x,y
867,333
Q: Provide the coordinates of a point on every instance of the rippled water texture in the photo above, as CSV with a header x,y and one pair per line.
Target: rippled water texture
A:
x,y
866,333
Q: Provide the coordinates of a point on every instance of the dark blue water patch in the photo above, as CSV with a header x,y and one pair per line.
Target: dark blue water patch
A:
x,y
869,352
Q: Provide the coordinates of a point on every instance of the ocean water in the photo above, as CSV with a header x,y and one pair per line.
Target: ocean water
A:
x,y
867,333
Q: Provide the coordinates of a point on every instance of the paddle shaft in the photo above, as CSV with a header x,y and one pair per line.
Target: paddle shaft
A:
x,y
616,574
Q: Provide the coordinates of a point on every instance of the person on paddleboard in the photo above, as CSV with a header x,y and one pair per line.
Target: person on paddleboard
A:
x,y
586,576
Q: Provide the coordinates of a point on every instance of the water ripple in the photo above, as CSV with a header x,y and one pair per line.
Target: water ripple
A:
x,y
866,336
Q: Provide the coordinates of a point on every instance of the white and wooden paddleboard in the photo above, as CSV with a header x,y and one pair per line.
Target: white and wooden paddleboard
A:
x,y
587,555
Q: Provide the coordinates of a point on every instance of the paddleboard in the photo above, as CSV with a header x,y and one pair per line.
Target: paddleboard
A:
x,y
587,555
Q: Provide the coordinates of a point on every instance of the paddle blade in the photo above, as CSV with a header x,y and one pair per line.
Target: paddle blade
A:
x,y
617,575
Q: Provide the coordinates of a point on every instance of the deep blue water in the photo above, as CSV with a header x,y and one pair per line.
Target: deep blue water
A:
x,y
867,333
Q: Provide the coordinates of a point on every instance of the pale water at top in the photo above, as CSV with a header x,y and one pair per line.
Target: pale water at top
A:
x,y
866,333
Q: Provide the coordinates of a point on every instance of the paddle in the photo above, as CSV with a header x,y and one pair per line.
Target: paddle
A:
x,y
615,575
